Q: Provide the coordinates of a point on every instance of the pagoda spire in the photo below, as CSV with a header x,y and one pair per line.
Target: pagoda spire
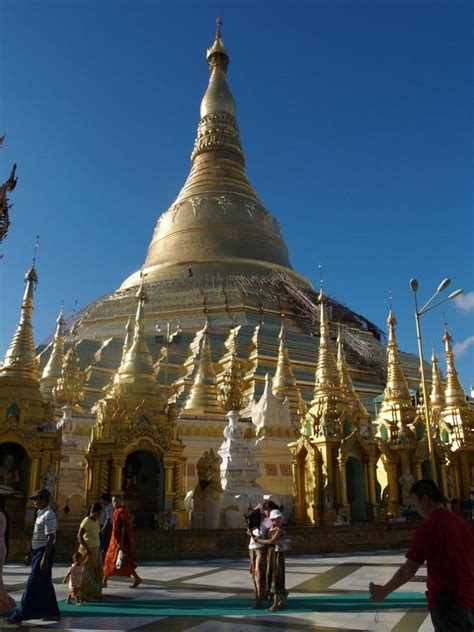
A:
x,y
453,392
203,398
437,388
217,225
137,363
68,390
327,376
397,406
52,370
355,405
218,97
20,359
284,383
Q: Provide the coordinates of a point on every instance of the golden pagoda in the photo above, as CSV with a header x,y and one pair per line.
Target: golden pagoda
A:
x,y
29,442
218,253
134,449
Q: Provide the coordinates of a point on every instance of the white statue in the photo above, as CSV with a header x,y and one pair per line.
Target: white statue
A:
x,y
269,411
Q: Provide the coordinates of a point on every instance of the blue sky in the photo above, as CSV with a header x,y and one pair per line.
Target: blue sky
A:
x,y
356,120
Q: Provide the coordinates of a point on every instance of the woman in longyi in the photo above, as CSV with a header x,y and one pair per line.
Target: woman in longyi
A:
x,y
119,558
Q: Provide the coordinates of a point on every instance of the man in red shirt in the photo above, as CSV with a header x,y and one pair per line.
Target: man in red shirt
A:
x,y
446,542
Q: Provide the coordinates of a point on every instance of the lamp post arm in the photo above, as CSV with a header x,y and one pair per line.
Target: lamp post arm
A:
x,y
426,406
424,310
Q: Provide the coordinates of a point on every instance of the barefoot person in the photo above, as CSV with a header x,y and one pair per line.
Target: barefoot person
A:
x,y
39,599
7,603
89,541
446,542
259,523
275,561
74,578
119,558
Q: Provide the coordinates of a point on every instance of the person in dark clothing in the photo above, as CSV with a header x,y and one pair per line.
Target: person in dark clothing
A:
x,y
105,521
39,599
446,543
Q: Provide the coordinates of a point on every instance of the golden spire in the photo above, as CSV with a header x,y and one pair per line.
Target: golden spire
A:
x,y
217,224
232,388
453,391
137,363
397,406
203,396
327,376
355,405
218,97
437,387
68,390
284,383
20,359
53,369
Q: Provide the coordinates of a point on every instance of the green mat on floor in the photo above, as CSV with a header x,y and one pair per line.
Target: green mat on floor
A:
x,y
223,607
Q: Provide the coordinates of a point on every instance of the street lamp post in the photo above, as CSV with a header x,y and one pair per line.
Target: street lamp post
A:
x,y
166,339
419,312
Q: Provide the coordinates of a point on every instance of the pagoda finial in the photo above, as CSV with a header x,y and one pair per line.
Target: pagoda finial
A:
x,y
20,359
218,98
53,369
321,280
217,54
454,392
219,23
68,390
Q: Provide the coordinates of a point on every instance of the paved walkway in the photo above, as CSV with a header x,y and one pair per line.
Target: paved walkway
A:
x,y
327,593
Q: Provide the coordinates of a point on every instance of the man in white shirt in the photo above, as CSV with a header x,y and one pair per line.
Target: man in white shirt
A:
x,y
39,599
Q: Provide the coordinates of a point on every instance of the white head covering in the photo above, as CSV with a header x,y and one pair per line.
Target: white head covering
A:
x,y
275,513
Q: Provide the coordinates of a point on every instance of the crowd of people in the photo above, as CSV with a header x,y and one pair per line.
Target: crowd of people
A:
x,y
105,549
444,540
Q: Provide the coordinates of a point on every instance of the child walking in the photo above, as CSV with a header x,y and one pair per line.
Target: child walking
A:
x,y
277,543
74,575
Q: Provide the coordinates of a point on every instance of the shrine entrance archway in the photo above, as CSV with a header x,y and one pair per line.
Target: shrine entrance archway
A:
x,y
356,489
143,485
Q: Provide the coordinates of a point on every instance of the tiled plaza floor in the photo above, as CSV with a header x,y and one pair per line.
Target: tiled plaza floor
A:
x,y
332,581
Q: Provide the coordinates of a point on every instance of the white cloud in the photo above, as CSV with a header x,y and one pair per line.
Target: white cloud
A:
x,y
460,348
465,302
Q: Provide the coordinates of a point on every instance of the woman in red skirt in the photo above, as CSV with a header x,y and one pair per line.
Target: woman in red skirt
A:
x,y
119,558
